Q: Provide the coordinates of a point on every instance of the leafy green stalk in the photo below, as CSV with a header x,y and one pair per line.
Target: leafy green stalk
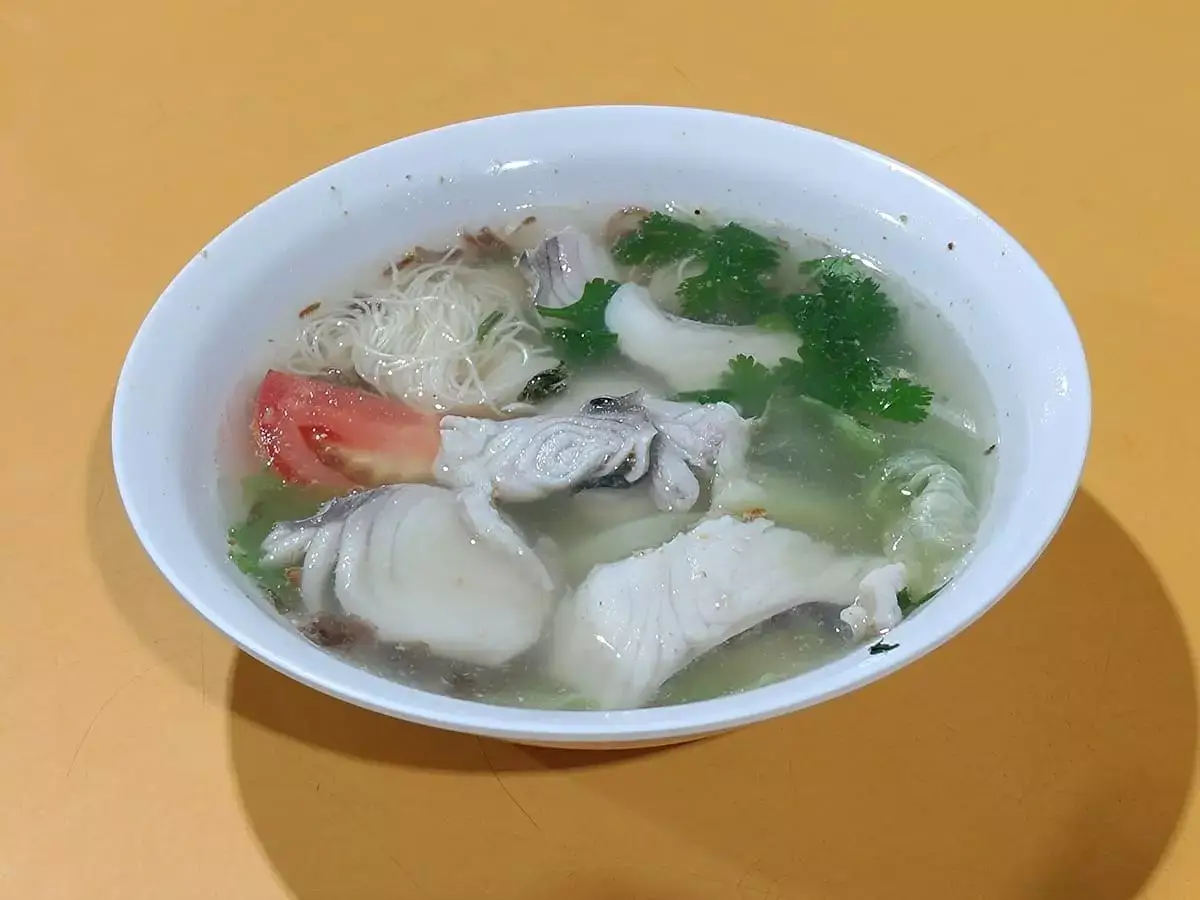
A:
x,y
271,501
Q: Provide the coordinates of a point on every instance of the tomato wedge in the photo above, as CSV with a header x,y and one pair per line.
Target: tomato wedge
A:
x,y
314,432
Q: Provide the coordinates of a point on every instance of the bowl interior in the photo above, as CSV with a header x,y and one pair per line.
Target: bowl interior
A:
x,y
182,401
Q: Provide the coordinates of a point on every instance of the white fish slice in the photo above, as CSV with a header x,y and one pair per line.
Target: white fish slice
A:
x,y
560,267
530,458
424,564
633,624
689,355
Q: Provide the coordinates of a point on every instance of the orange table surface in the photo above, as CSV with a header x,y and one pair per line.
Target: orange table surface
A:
x,y
1049,753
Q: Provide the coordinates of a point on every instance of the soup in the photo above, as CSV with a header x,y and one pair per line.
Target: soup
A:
x,y
597,462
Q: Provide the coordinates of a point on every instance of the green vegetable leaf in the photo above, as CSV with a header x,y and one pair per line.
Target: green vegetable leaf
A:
x,y
746,384
586,314
272,501
731,289
660,239
844,323
751,383
576,346
846,306
900,399
245,551
844,319
584,337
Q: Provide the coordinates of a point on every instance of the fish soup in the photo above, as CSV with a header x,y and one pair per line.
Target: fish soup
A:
x,y
599,462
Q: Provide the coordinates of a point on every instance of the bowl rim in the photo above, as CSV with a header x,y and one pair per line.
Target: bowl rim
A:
x,y
647,724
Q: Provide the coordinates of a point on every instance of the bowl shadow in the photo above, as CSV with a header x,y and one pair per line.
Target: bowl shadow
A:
x,y
1046,753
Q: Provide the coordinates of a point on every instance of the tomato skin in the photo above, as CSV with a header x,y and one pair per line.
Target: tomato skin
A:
x,y
313,432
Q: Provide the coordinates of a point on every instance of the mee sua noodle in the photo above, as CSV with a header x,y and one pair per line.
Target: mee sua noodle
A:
x,y
620,460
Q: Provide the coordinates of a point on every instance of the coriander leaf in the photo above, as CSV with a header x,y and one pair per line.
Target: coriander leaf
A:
x,y
750,383
847,305
863,310
838,374
544,384
730,290
832,373
881,647
576,346
585,336
900,400
746,384
658,240
587,313
844,322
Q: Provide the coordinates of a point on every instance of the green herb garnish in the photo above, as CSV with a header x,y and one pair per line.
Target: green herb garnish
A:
x,y
846,306
584,337
746,384
659,240
842,323
272,501
881,647
844,320
579,347
731,289
848,385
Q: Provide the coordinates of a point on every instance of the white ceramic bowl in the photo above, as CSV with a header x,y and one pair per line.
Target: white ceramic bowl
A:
x,y
188,373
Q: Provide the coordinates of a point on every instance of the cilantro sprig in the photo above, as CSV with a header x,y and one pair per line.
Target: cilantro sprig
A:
x,y
732,289
843,319
583,337
746,384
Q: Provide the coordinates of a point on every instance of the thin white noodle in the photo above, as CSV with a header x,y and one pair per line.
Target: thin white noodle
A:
x,y
418,338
